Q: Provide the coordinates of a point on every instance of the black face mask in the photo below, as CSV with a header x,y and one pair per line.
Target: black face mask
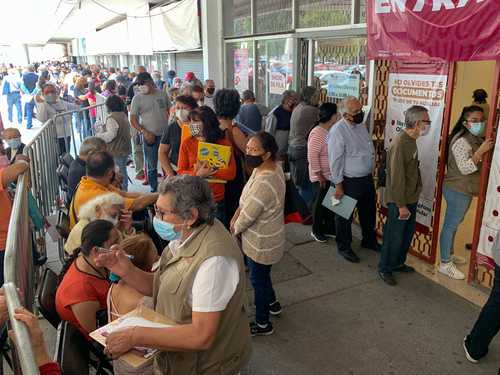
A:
x,y
211,90
358,117
254,161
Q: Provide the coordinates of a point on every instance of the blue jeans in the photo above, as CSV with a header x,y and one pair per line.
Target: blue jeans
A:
x,y
264,295
151,156
121,162
14,99
398,235
457,205
28,112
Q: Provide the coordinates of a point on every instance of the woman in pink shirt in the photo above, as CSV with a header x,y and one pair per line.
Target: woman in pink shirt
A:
x,y
319,172
90,96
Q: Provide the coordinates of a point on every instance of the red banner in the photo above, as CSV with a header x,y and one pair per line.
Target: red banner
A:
x,y
423,30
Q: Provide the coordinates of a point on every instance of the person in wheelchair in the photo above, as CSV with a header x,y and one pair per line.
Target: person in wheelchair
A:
x,y
108,207
84,285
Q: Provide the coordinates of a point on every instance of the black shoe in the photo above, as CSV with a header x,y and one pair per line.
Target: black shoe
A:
x,y
349,255
404,269
261,330
375,247
319,237
275,308
388,278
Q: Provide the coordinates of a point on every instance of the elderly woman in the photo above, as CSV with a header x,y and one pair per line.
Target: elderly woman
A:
x,y
105,207
200,285
260,222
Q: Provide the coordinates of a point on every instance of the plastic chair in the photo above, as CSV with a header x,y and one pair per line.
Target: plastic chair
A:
x,y
75,354
72,351
47,297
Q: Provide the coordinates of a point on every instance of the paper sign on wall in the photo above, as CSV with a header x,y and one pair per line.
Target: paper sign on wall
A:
x,y
342,85
277,83
241,69
427,90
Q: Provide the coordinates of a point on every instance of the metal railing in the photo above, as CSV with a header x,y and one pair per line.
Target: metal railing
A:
x,y
19,271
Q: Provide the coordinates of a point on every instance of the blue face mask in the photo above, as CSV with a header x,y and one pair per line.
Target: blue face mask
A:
x,y
165,230
477,128
13,143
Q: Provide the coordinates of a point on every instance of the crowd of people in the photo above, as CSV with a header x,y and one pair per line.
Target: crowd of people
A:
x,y
212,223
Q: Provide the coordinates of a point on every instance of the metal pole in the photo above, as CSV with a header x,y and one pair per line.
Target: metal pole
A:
x,y
25,350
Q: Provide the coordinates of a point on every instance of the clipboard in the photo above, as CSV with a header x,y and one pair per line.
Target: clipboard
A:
x,y
133,358
343,207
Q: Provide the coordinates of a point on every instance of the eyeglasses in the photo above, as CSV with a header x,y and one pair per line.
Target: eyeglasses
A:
x,y
159,213
428,122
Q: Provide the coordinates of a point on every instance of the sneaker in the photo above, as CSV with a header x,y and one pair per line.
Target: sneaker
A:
x,y
319,237
467,354
330,235
388,278
404,269
450,269
257,329
458,260
275,308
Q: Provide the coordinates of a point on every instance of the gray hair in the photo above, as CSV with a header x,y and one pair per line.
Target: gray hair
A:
x,y
345,101
287,94
248,95
92,144
88,210
413,115
307,94
190,192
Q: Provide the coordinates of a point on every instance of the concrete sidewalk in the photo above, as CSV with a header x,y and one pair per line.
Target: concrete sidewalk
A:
x,y
340,318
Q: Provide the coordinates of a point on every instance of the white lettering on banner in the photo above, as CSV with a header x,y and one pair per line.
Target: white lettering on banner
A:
x,y
382,6
400,6
406,90
438,4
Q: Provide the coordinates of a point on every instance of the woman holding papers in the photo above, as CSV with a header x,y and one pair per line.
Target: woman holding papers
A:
x,y
260,222
199,285
204,127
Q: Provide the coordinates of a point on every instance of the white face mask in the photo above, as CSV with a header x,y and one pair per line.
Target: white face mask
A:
x,y
182,114
143,89
112,220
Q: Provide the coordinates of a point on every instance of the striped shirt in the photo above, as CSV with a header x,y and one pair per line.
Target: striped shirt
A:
x,y
317,154
261,220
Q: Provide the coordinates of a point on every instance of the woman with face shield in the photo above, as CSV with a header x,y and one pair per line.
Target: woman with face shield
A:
x,y
199,284
204,127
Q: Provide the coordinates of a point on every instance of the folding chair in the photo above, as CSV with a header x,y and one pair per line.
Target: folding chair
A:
x,y
47,297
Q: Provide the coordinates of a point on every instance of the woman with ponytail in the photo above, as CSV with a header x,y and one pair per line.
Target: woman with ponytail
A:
x,y
84,286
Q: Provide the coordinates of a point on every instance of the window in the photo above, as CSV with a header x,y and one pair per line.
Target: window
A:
x,y
274,70
340,68
237,17
273,15
362,11
321,13
240,65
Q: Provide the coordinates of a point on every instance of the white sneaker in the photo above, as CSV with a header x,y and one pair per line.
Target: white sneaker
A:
x,y
449,269
458,260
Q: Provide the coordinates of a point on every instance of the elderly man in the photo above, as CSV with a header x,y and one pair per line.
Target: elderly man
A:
x,y
149,113
77,166
351,155
47,106
99,180
304,117
403,187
